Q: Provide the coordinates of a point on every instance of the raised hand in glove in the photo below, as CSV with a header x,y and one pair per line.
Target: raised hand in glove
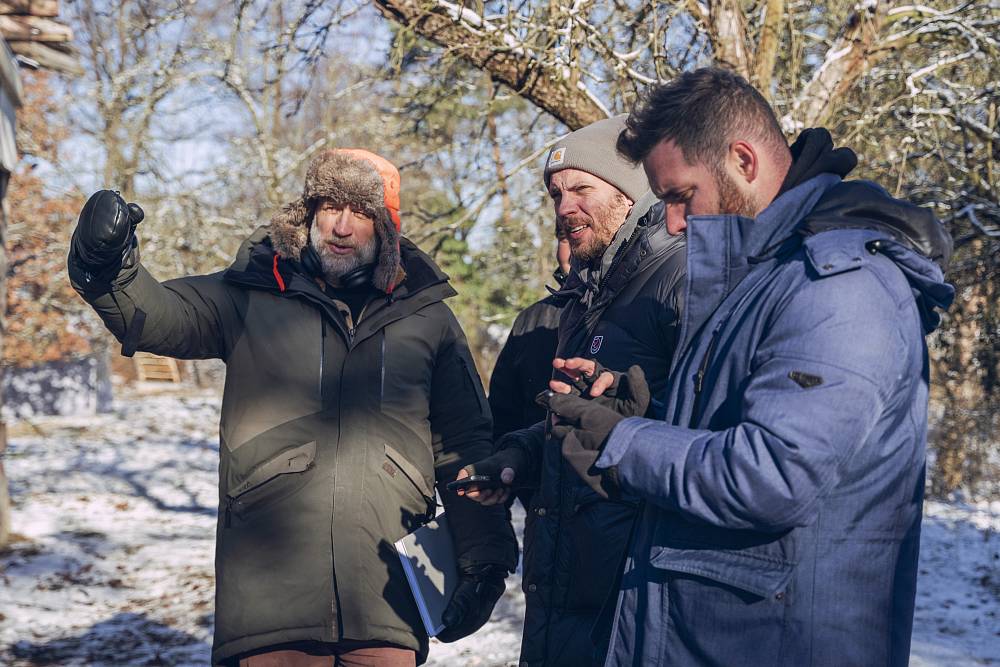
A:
x,y
584,424
477,593
105,232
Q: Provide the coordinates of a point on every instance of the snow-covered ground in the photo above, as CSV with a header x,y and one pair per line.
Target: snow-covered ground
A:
x,y
113,560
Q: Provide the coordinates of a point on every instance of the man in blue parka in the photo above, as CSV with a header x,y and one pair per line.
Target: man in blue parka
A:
x,y
783,492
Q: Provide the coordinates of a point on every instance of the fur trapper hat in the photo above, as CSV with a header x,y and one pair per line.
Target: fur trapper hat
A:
x,y
349,177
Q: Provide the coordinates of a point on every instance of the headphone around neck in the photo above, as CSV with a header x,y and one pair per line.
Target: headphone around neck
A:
x,y
357,278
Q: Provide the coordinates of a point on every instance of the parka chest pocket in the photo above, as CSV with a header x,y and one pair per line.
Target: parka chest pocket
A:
x,y
272,480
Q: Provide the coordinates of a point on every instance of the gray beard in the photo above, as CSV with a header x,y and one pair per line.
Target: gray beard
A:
x,y
334,266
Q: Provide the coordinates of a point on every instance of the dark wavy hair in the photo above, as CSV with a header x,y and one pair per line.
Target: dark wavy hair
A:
x,y
702,112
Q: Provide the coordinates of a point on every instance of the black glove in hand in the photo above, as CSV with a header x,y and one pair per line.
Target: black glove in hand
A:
x,y
478,590
628,394
593,419
586,423
604,481
105,232
514,458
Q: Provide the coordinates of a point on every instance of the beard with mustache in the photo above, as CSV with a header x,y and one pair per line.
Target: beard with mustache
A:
x,y
334,265
606,220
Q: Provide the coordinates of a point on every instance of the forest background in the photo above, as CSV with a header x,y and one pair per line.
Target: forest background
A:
x,y
206,113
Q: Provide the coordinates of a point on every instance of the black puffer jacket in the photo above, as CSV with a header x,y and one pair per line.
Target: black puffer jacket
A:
x,y
574,540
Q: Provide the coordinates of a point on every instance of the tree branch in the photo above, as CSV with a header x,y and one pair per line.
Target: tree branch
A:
x,y
845,62
501,54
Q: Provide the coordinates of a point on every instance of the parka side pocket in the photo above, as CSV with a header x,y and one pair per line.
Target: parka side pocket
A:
x,y
762,577
412,474
748,597
276,478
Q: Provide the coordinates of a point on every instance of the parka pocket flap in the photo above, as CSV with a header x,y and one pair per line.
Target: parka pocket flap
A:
x,y
411,471
758,575
295,459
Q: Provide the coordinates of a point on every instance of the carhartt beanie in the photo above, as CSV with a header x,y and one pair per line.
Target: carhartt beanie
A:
x,y
353,177
592,149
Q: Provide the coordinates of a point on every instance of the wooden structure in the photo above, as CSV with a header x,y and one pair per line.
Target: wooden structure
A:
x,y
10,100
32,31
30,34
153,368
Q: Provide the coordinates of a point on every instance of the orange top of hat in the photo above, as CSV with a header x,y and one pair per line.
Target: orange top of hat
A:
x,y
389,174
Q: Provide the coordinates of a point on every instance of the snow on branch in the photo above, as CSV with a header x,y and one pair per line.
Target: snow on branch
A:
x,y
496,49
845,62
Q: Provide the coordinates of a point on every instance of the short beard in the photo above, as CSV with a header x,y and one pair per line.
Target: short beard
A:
x,y
732,201
334,266
606,222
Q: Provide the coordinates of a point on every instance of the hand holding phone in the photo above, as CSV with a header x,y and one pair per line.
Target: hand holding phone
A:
x,y
480,482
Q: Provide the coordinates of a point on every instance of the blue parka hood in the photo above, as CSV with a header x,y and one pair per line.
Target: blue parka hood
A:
x,y
909,235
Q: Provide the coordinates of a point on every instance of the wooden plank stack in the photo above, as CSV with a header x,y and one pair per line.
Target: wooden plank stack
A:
x,y
31,30
152,368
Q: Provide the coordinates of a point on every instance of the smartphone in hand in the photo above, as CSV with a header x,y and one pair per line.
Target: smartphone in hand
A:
x,y
480,482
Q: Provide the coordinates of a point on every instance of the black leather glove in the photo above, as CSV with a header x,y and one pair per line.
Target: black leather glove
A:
x,y
105,232
478,591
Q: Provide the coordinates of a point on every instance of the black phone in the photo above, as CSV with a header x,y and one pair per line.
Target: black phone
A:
x,y
481,482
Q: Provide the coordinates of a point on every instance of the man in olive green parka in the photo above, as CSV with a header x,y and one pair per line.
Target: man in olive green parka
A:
x,y
350,392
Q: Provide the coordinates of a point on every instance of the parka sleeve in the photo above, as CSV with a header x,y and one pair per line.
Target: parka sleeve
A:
x,y
195,317
461,428
842,354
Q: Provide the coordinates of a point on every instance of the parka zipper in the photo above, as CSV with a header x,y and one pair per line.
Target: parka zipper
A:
x,y
322,356
356,323
699,377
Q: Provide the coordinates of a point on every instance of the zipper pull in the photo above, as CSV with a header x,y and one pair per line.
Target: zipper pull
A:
x,y
699,379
